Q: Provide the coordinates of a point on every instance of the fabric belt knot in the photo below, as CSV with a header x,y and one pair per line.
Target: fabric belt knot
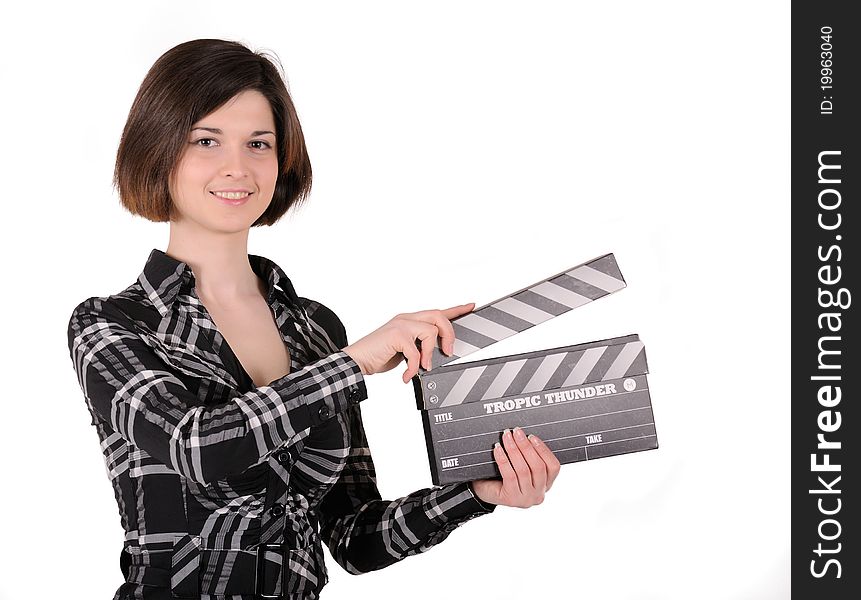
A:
x,y
185,566
266,571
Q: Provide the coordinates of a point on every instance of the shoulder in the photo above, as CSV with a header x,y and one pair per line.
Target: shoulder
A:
x,y
90,316
94,308
130,304
326,318
129,309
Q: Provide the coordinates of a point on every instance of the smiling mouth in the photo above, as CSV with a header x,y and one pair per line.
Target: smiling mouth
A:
x,y
233,198
231,195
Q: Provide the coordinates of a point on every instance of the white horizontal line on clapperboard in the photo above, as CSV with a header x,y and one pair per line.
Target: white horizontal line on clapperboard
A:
x,y
615,412
564,437
587,446
490,462
514,410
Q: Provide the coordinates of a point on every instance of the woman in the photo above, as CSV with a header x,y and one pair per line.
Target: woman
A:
x,y
228,406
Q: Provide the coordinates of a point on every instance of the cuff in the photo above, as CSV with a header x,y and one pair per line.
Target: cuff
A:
x,y
454,504
331,385
487,506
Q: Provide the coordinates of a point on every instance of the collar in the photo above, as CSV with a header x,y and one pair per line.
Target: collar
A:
x,y
164,276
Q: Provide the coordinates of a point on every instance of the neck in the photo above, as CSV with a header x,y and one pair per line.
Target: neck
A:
x,y
222,272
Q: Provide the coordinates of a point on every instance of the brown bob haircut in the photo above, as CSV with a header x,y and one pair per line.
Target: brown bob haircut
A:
x,y
185,84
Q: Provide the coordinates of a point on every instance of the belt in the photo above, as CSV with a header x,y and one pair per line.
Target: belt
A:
x,y
249,572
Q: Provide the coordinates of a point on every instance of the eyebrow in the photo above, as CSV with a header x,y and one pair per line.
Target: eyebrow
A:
x,y
218,131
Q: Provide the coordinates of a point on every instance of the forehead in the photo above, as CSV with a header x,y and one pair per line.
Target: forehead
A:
x,y
248,111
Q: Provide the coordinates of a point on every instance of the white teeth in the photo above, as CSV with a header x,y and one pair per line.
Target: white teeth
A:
x,y
232,195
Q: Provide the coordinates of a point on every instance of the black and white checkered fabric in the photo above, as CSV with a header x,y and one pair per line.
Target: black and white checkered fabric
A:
x,y
206,467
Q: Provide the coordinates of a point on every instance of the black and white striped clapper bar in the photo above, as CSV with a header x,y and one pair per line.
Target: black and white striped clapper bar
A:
x,y
585,401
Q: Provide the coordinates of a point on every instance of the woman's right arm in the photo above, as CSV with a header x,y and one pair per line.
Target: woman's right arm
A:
x,y
132,390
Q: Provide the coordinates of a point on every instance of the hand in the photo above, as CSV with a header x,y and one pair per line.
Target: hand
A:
x,y
383,349
528,470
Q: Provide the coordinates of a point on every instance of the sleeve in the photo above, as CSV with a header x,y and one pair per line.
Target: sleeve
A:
x,y
127,386
364,532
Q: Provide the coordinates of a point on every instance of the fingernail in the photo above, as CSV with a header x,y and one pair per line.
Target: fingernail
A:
x,y
506,433
535,441
497,445
518,433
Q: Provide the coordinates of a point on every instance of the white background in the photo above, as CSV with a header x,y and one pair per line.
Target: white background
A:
x,y
461,151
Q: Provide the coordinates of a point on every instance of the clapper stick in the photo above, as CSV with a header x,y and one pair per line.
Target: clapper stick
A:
x,y
530,306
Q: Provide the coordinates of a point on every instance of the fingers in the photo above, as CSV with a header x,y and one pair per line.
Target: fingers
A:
x,y
536,464
510,487
446,332
411,353
445,326
458,310
428,344
425,334
442,320
431,325
530,468
552,463
519,464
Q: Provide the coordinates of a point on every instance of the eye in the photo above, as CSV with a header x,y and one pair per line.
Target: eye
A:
x,y
198,143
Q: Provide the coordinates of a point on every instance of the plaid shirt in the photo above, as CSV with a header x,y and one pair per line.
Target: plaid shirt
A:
x,y
206,467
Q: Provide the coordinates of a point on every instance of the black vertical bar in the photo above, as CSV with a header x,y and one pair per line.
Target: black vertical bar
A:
x,y
826,437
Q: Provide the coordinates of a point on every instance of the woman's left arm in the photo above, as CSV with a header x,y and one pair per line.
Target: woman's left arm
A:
x,y
366,533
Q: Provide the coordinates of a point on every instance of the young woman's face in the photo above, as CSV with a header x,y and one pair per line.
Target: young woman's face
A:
x,y
232,148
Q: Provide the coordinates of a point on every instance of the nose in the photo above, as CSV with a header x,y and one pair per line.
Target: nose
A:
x,y
234,163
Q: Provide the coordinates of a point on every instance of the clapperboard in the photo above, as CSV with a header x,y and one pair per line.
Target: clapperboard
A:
x,y
585,401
